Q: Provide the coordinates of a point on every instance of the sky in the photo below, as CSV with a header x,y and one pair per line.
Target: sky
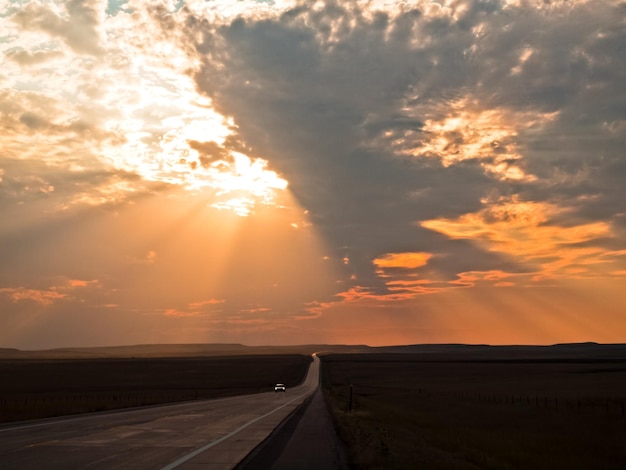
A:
x,y
297,172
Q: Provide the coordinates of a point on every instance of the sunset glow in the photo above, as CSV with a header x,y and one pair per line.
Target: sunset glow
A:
x,y
298,172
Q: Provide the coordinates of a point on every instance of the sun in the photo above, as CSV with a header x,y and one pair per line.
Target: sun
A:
x,y
246,182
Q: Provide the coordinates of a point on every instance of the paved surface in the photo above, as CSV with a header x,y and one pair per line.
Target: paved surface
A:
x,y
210,435
306,440
314,444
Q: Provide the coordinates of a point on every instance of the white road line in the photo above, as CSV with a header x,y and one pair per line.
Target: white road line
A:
x,y
198,451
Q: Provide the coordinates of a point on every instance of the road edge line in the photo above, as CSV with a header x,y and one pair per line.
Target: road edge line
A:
x,y
290,422
198,451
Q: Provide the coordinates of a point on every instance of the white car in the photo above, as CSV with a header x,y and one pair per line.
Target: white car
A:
x,y
280,388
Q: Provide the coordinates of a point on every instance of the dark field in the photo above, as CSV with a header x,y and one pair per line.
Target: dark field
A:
x,y
489,412
40,388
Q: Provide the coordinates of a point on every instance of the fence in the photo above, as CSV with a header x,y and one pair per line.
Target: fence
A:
x,y
609,406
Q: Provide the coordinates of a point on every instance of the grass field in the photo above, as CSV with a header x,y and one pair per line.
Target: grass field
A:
x,y
37,388
414,411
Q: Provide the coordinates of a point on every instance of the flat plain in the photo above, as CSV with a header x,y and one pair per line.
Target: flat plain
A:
x,y
483,408
39,388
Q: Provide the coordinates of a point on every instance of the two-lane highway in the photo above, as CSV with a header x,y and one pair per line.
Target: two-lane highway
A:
x,y
212,434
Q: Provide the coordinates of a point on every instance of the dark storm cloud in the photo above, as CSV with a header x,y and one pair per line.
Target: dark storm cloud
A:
x,y
329,94
575,69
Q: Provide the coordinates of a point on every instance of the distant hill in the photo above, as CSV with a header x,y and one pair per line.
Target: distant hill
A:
x,y
588,350
9,352
429,351
173,350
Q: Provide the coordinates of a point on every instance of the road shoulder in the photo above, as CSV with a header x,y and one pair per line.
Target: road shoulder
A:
x,y
306,440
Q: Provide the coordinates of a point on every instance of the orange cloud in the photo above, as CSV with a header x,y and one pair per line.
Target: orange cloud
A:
x,y
172,312
406,289
528,231
359,293
47,296
43,297
411,288
464,131
194,309
248,321
203,303
82,283
493,277
407,260
256,310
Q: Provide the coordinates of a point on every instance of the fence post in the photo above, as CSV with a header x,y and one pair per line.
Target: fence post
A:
x,y
350,400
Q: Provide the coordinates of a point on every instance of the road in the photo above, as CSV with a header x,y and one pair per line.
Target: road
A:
x,y
211,434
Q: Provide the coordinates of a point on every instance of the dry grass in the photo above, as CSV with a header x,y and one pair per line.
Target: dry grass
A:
x,y
43,388
410,414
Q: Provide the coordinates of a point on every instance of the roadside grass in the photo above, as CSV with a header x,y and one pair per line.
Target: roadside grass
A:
x,y
411,414
32,389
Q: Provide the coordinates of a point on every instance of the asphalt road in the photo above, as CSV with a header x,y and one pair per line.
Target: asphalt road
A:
x,y
210,435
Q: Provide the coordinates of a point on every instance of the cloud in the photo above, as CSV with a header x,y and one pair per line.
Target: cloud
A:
x,y
425,112
43,297
380,150
402,260
27,58
46,297
204,303
532,234
73,283
76,22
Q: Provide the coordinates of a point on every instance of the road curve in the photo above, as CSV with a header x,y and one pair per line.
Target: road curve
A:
x,y
210,434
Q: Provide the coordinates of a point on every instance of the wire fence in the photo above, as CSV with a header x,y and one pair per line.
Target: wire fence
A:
x,y
608,406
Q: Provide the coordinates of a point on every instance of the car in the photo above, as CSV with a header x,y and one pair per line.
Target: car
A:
x,y
280,388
